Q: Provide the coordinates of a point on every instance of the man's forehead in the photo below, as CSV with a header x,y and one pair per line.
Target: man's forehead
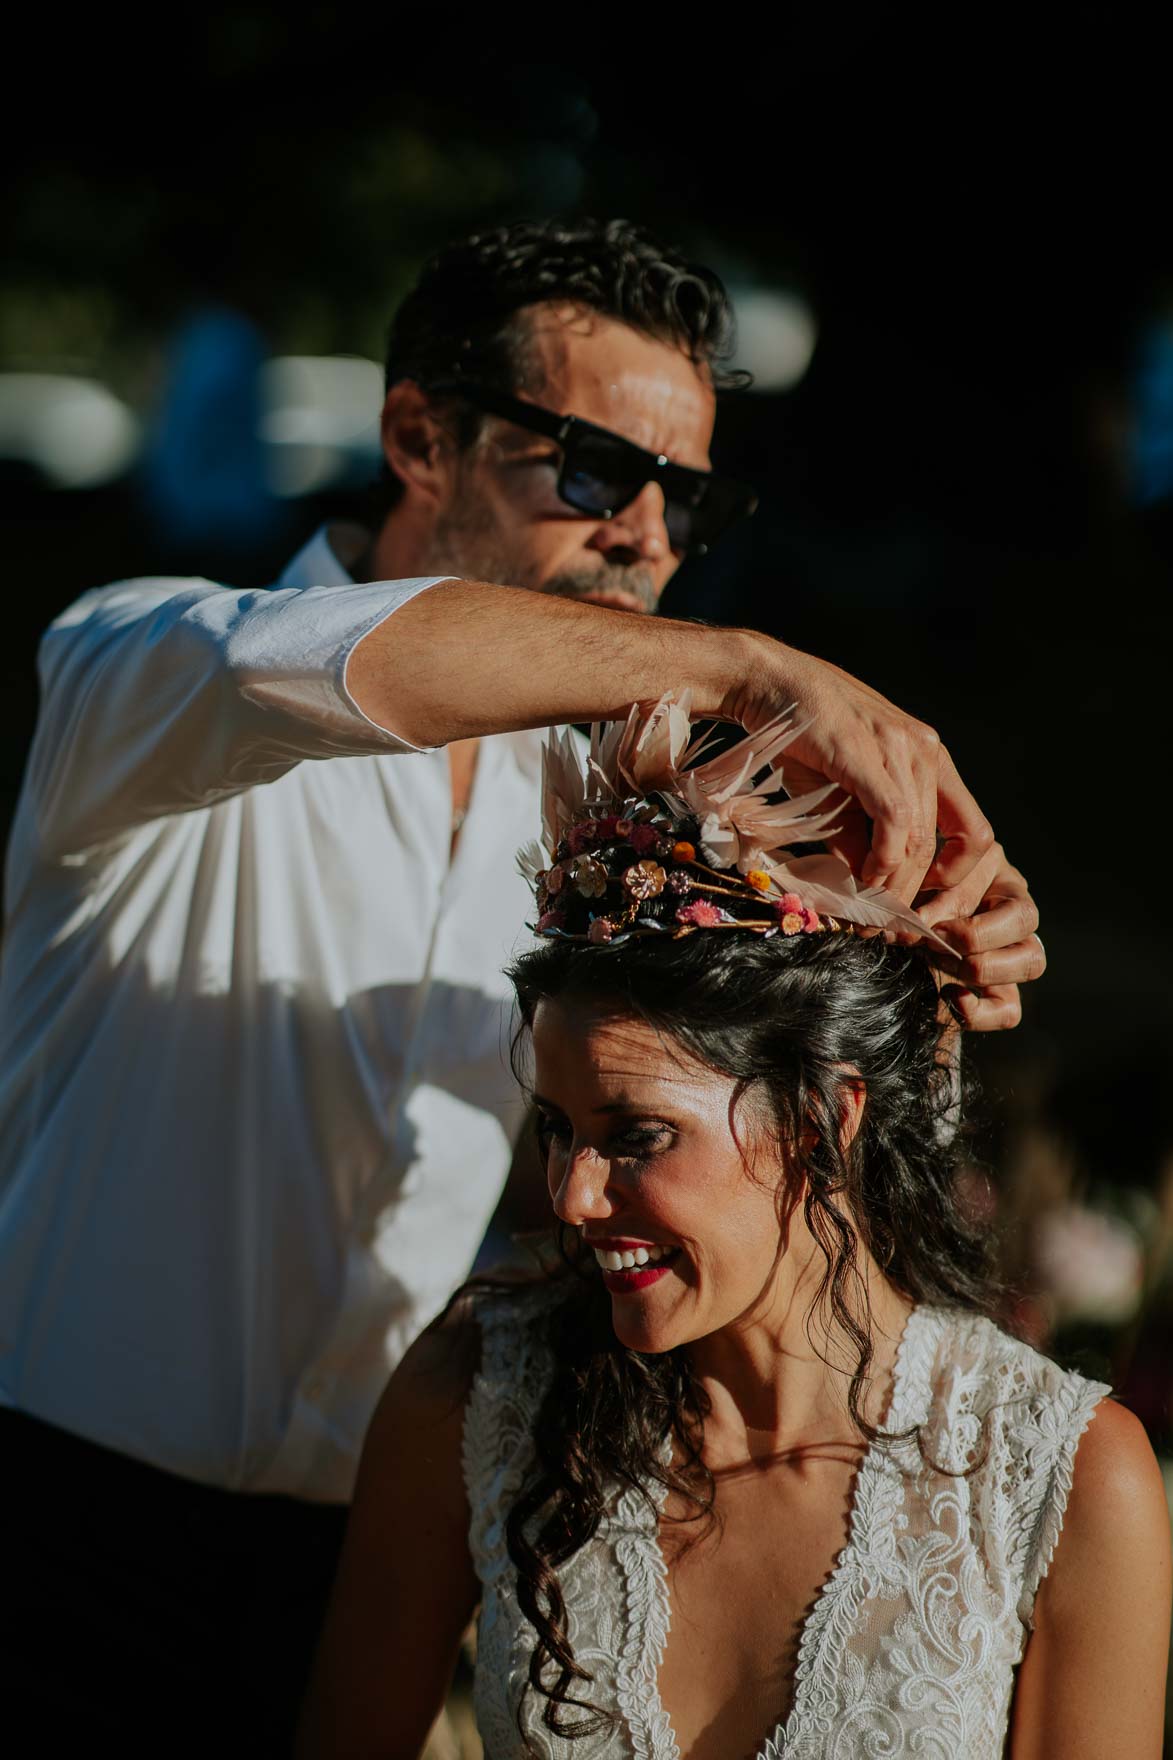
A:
x,y
582,363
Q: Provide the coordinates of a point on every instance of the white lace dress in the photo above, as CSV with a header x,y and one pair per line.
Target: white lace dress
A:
x,y
911,1646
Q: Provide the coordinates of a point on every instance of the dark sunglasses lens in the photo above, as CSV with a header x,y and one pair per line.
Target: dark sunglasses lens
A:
x,y
705,510
600,475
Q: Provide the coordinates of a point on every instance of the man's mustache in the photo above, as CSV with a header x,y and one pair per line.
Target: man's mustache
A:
x,y
618,582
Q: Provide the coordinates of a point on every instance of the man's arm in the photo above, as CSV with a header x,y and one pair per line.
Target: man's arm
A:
x,y
466,658
161,697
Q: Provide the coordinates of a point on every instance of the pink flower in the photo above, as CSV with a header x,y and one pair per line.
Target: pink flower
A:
x,y
600,930
644,839
701,915
811,921
790,901
555,878
552,920
582,837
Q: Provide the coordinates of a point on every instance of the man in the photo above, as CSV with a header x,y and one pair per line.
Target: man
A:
x,y
254,1107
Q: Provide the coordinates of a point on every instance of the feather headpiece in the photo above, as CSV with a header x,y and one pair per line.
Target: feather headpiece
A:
x,y
654,835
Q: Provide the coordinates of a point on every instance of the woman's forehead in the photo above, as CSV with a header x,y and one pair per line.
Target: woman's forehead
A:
x,y
580,1042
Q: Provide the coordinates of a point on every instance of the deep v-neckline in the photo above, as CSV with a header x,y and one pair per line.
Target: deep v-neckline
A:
x,y
660,1738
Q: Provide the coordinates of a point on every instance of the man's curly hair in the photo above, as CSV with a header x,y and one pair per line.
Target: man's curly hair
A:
x,y
464,317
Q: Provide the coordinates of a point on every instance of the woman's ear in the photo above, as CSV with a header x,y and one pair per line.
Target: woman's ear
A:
x,y
852,1098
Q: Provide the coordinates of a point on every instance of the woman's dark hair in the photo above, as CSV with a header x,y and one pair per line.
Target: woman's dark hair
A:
x,y
462,317
791,1021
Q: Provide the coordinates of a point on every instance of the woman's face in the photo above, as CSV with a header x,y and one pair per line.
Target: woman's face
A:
x,y
647,1158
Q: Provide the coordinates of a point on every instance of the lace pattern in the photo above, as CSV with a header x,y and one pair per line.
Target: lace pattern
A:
x,y
911,1646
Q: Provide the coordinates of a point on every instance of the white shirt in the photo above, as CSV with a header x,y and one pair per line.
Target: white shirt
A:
x,y
255,1100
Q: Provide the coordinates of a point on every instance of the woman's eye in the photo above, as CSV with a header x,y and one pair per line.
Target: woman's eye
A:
x,y
552,1130
649,1139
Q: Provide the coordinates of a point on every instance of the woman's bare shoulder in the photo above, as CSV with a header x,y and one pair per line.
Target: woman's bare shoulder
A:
x,y
432,1383
1117,1499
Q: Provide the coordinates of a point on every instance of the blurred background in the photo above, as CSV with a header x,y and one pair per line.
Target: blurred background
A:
x,y
953,268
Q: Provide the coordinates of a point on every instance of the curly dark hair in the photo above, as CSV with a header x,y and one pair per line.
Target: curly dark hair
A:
x,y
789,1020
465,316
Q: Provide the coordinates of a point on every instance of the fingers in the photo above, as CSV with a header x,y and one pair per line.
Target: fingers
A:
x,y
959,901
996,949
900,797
992,1011
1020,963
966,834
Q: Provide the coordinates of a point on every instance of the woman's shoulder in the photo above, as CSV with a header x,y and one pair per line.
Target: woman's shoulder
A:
x,y
973,1371
1117,1499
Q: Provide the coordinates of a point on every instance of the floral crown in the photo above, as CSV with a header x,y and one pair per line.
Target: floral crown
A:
x,y
648,839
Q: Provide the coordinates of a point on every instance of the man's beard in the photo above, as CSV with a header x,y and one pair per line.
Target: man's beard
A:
x,y
471,548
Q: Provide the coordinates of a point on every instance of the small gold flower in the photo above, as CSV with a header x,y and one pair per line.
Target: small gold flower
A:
x,y
590,876
758,879
644,879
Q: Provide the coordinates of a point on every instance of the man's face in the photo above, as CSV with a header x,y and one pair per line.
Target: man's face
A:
x,y
502,519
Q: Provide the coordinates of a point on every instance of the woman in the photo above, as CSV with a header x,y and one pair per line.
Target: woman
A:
x,y
751,1472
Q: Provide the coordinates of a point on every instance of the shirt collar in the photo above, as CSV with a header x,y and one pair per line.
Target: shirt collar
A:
x,y
328,557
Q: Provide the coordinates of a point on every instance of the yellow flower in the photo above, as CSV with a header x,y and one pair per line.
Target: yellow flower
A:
x,y
759,879
683,851
792,923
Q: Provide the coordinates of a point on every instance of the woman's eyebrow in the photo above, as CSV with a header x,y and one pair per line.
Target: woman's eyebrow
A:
x,y
610,1106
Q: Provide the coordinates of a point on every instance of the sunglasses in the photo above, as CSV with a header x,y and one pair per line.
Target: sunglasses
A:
x,y
601,473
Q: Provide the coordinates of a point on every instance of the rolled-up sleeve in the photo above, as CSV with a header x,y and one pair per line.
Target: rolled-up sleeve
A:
x,y
160,697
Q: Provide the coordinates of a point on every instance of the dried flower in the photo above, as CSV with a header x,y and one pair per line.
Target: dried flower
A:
x,y
645,840
683,851
644,879
790,922
590,876
600,930
811,921
701,915
790,901
552,920
679,882
623,828
758,879
555,879
588,834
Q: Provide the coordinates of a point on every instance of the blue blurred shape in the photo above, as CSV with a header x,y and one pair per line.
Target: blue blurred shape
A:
x,y
1152,433
203,471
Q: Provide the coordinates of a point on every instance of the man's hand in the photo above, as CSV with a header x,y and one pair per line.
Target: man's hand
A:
x,y
990,918
911,824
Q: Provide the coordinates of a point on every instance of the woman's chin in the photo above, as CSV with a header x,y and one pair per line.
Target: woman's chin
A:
x,y
646,1333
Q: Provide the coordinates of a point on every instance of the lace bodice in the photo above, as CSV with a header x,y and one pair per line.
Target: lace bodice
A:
x,y
910,1647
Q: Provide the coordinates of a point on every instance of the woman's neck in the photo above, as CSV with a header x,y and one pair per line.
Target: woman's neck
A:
x,y
778,1380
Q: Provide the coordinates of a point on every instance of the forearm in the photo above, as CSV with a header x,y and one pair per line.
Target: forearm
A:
x,y
465,659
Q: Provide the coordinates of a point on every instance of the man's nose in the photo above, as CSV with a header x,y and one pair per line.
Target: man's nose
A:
x,y
582,1194
639,532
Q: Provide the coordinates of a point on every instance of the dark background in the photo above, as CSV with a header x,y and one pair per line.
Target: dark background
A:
x,y
976,211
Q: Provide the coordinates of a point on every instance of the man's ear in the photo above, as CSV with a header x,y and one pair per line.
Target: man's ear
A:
x,y
417,444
